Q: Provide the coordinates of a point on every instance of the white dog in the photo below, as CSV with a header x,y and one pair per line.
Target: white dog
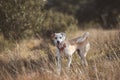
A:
x,y
68,47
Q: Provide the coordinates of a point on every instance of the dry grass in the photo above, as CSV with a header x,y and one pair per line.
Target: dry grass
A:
x,y
35,59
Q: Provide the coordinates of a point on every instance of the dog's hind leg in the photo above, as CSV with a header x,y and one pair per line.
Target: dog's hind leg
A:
x,y
82,55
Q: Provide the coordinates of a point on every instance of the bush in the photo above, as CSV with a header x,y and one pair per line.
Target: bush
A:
x,y
23,18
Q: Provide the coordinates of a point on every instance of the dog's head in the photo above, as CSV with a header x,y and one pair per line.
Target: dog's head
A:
x,y
58,38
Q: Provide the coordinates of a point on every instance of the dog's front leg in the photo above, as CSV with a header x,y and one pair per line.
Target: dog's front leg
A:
x,y
58,62
69,61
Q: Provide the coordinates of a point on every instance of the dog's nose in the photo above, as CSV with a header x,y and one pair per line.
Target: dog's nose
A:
x,y
58,42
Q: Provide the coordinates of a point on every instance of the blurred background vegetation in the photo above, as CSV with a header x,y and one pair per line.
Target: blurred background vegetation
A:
x,y
27,52
25,18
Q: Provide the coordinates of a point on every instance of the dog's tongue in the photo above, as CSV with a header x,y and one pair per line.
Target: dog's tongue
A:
x,y
58,43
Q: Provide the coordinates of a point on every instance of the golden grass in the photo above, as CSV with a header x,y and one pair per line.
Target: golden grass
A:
x,y
35,59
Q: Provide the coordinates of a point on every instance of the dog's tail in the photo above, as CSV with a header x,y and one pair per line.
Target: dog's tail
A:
x,y
83,37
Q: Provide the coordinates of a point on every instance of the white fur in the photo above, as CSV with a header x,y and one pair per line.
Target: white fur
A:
x,y
81,44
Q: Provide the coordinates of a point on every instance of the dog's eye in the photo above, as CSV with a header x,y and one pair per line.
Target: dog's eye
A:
x,y
60,37
55,37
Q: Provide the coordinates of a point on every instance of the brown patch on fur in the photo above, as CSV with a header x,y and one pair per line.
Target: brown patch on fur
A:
x,y
53,36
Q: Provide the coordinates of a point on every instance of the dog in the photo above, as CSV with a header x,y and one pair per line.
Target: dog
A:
x,y
68,47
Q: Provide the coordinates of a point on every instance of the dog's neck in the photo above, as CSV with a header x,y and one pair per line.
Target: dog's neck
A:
x,y
61,46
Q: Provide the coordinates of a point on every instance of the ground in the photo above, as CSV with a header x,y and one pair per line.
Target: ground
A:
x,y
34,59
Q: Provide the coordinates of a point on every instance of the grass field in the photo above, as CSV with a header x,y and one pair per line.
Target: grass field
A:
x,y
34,59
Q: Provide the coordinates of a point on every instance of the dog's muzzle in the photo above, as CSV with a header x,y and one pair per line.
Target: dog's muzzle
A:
x,y
58,42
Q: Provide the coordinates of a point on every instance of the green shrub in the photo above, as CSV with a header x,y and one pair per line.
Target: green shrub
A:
x,y
24,18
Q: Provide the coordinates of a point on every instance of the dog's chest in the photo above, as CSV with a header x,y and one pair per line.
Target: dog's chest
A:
x,y
69,50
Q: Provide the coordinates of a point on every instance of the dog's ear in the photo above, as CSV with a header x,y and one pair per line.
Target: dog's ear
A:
x,y
52,36
63,34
